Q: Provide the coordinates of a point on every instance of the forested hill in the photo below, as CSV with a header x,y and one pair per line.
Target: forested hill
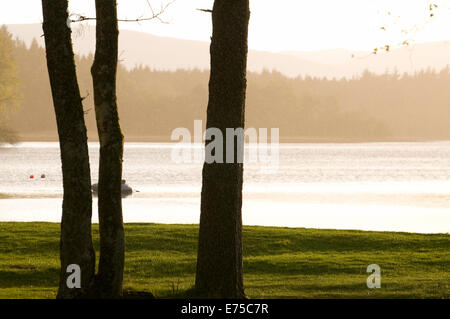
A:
x,y
153,103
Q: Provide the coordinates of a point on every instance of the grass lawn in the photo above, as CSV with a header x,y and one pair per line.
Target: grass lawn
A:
x,y
278,262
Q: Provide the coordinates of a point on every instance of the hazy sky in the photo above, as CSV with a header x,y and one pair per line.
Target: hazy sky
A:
x,y
278,25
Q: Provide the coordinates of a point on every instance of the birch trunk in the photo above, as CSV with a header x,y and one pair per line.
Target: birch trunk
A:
x,y
108,282
76,241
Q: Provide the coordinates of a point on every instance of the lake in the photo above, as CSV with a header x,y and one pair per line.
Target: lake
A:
x,y
366,186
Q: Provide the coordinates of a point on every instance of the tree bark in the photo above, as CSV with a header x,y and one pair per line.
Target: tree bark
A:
x,y
219,262
76,241
108,282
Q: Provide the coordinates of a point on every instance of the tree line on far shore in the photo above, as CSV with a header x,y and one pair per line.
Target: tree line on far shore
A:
x,y
368,107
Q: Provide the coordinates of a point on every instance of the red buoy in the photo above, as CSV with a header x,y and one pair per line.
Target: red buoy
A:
x,y
31,176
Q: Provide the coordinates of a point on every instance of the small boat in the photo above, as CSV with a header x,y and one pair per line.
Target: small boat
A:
x,y
126,190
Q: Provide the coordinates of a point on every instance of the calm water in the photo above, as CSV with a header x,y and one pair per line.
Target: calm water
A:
x,y
370,186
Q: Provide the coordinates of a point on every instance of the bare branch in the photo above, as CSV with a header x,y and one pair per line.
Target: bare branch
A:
x,y
205,10
154,15
410,33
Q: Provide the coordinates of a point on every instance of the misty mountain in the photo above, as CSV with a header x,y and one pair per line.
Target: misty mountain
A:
x,y
410,59
165,53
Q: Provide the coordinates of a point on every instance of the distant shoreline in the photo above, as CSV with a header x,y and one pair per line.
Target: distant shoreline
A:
x,y
50,137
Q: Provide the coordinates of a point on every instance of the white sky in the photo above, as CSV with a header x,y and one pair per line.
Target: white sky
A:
x,y
277,25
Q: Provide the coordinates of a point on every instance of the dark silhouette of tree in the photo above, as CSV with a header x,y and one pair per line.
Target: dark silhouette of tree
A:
x,y
76,242
108,282
219,263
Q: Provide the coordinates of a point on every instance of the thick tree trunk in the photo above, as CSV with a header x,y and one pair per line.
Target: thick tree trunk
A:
x,y
108,283
76,241
219,263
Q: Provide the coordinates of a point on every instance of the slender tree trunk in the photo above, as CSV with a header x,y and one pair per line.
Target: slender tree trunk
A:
x,y
108,283
219,263
76,241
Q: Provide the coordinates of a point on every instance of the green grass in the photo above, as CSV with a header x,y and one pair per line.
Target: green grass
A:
x,y
278,262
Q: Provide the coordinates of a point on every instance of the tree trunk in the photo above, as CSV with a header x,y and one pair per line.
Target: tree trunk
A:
x,y
76,241
108,283
219,262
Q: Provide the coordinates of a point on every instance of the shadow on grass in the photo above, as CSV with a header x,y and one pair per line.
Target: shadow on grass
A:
x,y
160,269
189,293
295,267
134,294
328,288
23,278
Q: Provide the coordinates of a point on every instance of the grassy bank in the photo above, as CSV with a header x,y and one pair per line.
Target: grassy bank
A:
x,y
278,262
